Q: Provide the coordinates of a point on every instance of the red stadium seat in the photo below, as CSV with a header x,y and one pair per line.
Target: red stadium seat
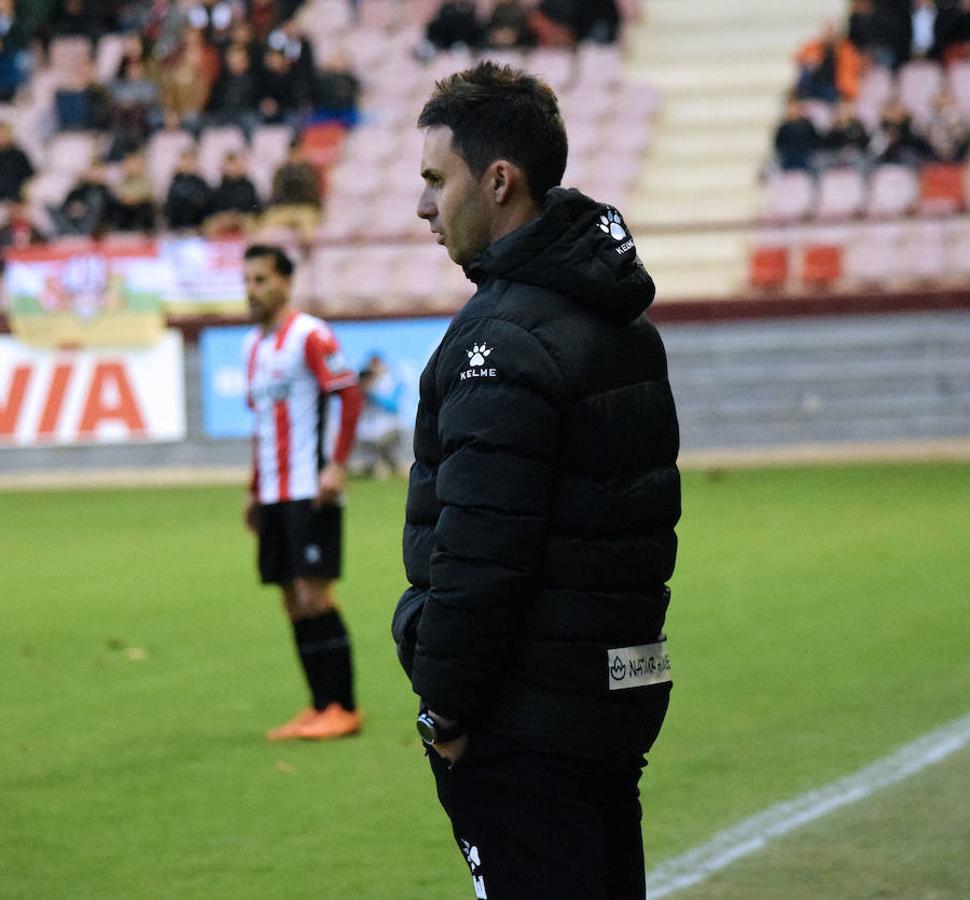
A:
x,y
821,264
942,188
768,267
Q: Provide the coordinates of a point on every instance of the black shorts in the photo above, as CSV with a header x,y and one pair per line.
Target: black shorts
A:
x,y
298,540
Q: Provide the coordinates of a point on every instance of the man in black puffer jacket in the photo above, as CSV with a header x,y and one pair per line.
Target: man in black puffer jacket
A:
x,y
539,533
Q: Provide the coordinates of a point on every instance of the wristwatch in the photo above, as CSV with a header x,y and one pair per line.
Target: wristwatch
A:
x,y
433,732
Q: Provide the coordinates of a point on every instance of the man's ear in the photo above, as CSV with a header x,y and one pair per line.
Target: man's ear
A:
x,y
504,180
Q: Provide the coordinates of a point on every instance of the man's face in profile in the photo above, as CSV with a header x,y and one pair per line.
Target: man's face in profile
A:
x,y
453,202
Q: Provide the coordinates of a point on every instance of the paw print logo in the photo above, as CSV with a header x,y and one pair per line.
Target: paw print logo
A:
x,y
612,224
476,356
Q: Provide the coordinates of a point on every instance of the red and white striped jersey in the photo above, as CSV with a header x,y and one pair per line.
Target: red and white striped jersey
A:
x,y
289,373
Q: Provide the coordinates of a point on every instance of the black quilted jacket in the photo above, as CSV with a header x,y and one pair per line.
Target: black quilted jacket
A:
x,y
542,502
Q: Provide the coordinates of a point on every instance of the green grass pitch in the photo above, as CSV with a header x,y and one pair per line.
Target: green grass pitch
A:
x,y
819,620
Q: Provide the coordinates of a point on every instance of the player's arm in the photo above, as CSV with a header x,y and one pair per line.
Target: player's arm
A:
x,y
498,427
335,377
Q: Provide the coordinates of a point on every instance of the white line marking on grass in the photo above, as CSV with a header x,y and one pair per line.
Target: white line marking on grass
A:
x,y
752,834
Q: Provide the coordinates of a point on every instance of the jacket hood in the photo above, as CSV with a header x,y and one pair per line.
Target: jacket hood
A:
x,y
577,247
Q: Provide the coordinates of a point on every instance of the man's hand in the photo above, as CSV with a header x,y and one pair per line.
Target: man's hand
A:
x,y
251,515
453,750
331,484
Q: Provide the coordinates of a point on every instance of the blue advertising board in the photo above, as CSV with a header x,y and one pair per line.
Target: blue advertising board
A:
x,y
405,345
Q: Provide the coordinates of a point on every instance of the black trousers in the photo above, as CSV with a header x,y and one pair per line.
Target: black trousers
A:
x,y
537,826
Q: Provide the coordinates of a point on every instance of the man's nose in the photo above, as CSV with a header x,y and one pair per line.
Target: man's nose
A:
x,y
426,207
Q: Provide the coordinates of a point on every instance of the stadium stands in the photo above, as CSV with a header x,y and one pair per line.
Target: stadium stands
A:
x,y
370,168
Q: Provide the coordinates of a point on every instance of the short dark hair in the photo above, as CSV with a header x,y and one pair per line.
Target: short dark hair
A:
x,y
282,262
499,112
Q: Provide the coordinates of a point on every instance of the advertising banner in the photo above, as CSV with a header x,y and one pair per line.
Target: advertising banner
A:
x,y
202,276
404,344
86,293
91,396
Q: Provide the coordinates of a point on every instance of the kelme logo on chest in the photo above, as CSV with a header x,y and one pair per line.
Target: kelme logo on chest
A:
x,y
477,367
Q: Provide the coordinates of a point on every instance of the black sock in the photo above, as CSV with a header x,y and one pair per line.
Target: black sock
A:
x,y
324,648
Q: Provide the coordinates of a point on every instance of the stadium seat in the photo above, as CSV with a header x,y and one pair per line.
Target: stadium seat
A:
x,y
67,54
271,143
819,113
956,247
841,194
821,264
958,75
768,267
110,52
164,150
872,257
893,191
923,251
72,152
788,196
942,188
875,90
919,82
214,145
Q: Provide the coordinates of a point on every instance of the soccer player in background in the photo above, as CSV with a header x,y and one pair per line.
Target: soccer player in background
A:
x,y
293,363
541,508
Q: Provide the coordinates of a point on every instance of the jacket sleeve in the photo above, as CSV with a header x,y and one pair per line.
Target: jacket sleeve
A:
x,y
498,425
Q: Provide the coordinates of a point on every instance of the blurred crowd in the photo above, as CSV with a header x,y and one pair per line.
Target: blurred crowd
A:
x,y
185,67
824,125
515,23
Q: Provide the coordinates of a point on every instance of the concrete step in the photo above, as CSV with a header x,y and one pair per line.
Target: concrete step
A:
x,y
698,77
691,283
665,209
714,176
726,45
695,145
742,110
704,13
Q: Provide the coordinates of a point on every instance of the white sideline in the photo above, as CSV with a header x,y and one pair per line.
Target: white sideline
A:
x,y
753,833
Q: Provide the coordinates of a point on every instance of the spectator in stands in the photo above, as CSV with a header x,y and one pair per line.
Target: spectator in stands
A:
x,y
82,18
233,98
337,88
897,141
280,93
552,23
508,26
954,32
14,55
830,67
214,19
187,83
234,204
597,21
946,130
134,208
293,44
925,27
83,104
455,24
296,195
262,16
846,143
187,203
134,106
796,139
19,230
15,165
89,209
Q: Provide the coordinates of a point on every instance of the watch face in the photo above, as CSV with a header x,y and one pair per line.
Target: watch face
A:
x,y
426,728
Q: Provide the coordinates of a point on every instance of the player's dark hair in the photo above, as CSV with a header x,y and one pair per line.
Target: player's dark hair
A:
x,y
498,112
282,263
